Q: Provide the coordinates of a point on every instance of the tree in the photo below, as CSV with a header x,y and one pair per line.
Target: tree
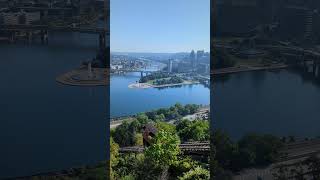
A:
x,y
142,118
138,139
128,165
114,153
159,117
164,149
197,173
166,127
260,149
181,166
226,150
122,135
197,130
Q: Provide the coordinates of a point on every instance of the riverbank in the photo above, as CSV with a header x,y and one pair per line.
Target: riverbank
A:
x,y
147,85
201,113
81,77
239,69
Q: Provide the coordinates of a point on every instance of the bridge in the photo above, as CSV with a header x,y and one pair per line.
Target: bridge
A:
x,y
89,30
142,72
191,148
42,8
44,29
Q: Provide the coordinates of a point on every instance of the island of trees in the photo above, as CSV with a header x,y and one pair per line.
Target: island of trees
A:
x,y
161,78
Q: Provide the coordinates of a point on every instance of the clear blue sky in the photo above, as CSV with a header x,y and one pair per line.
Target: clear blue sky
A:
x,y
159,25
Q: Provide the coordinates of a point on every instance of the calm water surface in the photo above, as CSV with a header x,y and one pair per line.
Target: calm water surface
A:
x,y
127,101
46,126
280,103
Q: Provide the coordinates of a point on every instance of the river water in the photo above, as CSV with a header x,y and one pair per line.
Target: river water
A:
x,y
46,126
282,102
129,101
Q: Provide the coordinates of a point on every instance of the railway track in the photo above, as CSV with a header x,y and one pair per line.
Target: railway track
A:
x,y
186,148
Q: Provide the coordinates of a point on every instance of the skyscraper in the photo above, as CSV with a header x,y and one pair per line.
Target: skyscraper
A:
x,y
200,54
193,59
170,62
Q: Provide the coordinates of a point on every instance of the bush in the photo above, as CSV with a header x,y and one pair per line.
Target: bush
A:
x,y
197,173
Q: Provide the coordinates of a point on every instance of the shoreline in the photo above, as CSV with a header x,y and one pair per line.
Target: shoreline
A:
x,y
147,85
117,121
239,69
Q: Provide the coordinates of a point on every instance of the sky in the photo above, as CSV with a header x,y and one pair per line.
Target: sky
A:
x,y
159,26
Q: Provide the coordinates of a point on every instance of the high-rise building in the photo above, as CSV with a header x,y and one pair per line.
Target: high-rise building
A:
x,y
200,55
170,65
193,59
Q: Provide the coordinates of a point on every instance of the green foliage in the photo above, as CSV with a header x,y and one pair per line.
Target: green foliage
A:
x,y
259,149
173,112
171,80
164,149
142,118
125,134
128,164
226,150
166,127
197,130
114,153
128,177
153,76
138,139
251,150
197,173
182,165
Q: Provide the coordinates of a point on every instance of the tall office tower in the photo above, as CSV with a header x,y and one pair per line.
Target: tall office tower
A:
x,y
192,59
170,64
200,54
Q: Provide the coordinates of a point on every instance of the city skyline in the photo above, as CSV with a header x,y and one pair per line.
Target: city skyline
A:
x,y
178,26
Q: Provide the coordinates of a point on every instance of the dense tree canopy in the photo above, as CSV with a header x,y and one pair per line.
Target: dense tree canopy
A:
x,y
197,130
164,149
153,76
163,155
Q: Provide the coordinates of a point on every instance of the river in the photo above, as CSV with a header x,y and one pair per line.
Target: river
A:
x,y
129,101
281,102
46,126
